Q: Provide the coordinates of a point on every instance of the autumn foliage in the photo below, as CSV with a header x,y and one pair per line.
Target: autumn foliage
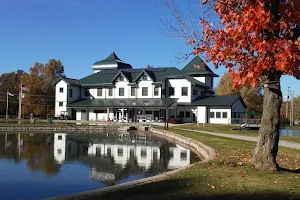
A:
x,y
250,40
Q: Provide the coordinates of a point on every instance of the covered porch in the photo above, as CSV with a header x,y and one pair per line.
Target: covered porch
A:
x,y
123,110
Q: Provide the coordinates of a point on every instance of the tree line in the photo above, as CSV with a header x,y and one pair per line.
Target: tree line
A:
x,y
40,79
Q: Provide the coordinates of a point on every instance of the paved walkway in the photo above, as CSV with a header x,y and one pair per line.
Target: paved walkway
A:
x,y
241,137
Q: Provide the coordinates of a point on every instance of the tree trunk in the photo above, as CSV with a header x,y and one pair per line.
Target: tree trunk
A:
x,y
266,149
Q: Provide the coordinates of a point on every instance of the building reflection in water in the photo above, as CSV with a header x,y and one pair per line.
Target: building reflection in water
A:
x,y
110,158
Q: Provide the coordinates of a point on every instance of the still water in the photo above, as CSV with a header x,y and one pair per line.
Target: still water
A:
x,y
290,132
35,166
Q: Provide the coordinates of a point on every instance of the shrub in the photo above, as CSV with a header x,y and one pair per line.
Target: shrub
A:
x,y
175,120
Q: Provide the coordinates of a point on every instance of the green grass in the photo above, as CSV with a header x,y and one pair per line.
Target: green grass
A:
x,y
229,176
230,130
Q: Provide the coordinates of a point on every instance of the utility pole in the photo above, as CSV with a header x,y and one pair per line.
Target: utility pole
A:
x,y
292,110
287,103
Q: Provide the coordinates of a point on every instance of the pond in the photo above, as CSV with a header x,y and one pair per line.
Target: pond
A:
x,y
290,132
35,166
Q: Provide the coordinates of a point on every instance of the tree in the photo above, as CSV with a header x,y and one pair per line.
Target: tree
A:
x,y
257,41
40,100
10,82
252,96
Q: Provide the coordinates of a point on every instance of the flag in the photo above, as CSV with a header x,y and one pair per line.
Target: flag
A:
x,y
25,88
22,95
10,94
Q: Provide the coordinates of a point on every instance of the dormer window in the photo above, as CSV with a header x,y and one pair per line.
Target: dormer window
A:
x,y
121,78
144,77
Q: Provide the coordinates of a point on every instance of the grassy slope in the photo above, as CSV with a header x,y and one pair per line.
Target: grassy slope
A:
x,y
230,176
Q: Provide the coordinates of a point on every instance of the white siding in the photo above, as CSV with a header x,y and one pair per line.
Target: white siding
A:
x,y
205,79
178,84
122,84
201,79
201,114
147,84
60,97
220,120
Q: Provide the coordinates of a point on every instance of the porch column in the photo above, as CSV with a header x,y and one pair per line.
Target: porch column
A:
x,y
107,110
87,114
167,121
122,115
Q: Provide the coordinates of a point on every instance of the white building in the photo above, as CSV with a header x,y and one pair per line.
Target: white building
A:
x,y
116,91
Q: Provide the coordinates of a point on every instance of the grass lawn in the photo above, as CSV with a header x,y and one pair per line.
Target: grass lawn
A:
x,y
229,176
229,129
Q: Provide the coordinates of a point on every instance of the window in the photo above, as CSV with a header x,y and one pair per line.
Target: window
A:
x,y
211,114
156,91
110,92
59,151
99,92
181,114
218,114
100,111
61,104
144,77
187,114
148,112
70,93
120,152
86,92
98,151
202,93
121,92
183,155
132,91
195,92
121,78
61,90
224,115
59,137
171,91
184,91
144,91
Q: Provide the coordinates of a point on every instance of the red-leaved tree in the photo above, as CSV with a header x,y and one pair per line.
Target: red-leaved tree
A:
x,y
256,40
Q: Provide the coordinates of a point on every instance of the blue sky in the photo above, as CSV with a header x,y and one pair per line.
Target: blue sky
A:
x,y
81,32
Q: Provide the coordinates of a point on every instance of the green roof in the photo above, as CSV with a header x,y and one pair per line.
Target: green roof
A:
x,y
112,59
217,101
106,76
69,81
143,102
203,70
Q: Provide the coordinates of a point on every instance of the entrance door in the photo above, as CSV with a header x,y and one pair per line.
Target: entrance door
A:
x,y
156,116
73,114
83,115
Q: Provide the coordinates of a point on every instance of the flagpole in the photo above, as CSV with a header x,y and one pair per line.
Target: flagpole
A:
x,y
6,117
20,103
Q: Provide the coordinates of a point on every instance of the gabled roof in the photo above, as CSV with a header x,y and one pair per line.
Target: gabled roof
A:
x,y
140,102
107,76
69,81
217,101
148,73
124,74
203,70
112,59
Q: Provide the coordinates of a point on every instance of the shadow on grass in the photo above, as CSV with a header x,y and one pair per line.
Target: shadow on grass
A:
x,y
178,190
296,171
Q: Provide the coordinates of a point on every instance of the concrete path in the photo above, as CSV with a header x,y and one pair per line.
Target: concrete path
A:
x,y
246,138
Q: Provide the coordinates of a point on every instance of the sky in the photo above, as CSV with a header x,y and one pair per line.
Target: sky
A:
x,y
81,32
